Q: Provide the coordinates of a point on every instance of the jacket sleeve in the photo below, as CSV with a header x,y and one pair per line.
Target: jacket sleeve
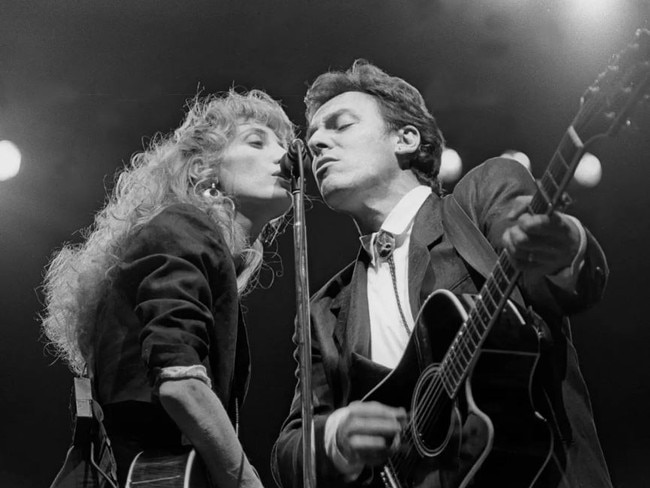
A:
x,y
487,194
171,263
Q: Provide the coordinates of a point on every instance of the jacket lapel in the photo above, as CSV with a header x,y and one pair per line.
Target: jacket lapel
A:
x,y
351,307
427,231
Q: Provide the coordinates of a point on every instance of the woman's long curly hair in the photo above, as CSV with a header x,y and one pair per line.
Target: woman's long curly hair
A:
x,y
176,168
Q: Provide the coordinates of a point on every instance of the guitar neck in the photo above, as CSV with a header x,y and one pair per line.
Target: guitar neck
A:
x,y
550,194
498,286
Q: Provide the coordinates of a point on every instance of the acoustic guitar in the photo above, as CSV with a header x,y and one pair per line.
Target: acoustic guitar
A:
x,y
168,469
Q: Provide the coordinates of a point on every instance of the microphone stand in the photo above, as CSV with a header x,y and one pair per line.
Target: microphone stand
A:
x,y
303,327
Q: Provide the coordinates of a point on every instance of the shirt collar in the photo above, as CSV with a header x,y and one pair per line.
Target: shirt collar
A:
x,y
400,219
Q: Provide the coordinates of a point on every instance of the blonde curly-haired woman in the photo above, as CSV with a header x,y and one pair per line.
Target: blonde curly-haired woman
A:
x,y
148,304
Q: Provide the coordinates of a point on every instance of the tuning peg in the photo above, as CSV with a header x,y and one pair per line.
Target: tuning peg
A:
x,y
642,36
589,93
629,56
642,41
632,126
610,75
638,123
565,201
613,67
636,52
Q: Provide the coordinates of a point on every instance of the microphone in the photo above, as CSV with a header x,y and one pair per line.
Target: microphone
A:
x,y
289,163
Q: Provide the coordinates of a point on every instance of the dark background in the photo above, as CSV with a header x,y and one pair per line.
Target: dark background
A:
x,y
83,84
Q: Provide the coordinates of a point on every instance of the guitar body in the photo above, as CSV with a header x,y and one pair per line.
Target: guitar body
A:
x,y
492,422
165,469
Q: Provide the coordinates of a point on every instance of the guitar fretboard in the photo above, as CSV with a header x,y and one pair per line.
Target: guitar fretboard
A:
x,y
498,286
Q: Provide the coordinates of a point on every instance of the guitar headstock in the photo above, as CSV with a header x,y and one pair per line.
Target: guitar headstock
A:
x,y
608,104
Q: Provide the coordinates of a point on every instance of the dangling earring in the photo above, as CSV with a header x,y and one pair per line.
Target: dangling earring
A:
x,y
212,190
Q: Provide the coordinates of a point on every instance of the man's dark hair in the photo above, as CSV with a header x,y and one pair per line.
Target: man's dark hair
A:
x,y
400,103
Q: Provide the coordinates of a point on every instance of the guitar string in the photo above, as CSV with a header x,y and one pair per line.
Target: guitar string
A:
x,y
461,344
432,396
429,406
433,393
403,459
430,402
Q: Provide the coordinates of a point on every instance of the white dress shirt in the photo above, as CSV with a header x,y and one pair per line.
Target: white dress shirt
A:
x,y
388,336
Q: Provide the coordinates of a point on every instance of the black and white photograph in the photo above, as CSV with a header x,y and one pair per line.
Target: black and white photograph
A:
x,y
324,244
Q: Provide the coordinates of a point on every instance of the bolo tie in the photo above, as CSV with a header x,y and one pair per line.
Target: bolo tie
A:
x,y
384,248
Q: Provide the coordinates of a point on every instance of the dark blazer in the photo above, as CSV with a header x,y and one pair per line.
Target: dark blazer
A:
x,y
341,337
171,301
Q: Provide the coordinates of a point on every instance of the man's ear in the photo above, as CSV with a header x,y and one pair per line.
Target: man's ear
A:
x,y
408,140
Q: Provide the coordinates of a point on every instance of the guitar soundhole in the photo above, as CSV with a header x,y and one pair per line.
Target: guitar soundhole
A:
x,y
430,413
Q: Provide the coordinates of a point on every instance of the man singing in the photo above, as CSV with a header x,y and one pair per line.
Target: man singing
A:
x,y
376,154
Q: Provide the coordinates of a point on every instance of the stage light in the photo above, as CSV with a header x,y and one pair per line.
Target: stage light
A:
x,y
589,171
451,166
596,20
597,9
9,160
518,156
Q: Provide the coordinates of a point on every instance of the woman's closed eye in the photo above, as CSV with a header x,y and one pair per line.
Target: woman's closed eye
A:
x,y
256,141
